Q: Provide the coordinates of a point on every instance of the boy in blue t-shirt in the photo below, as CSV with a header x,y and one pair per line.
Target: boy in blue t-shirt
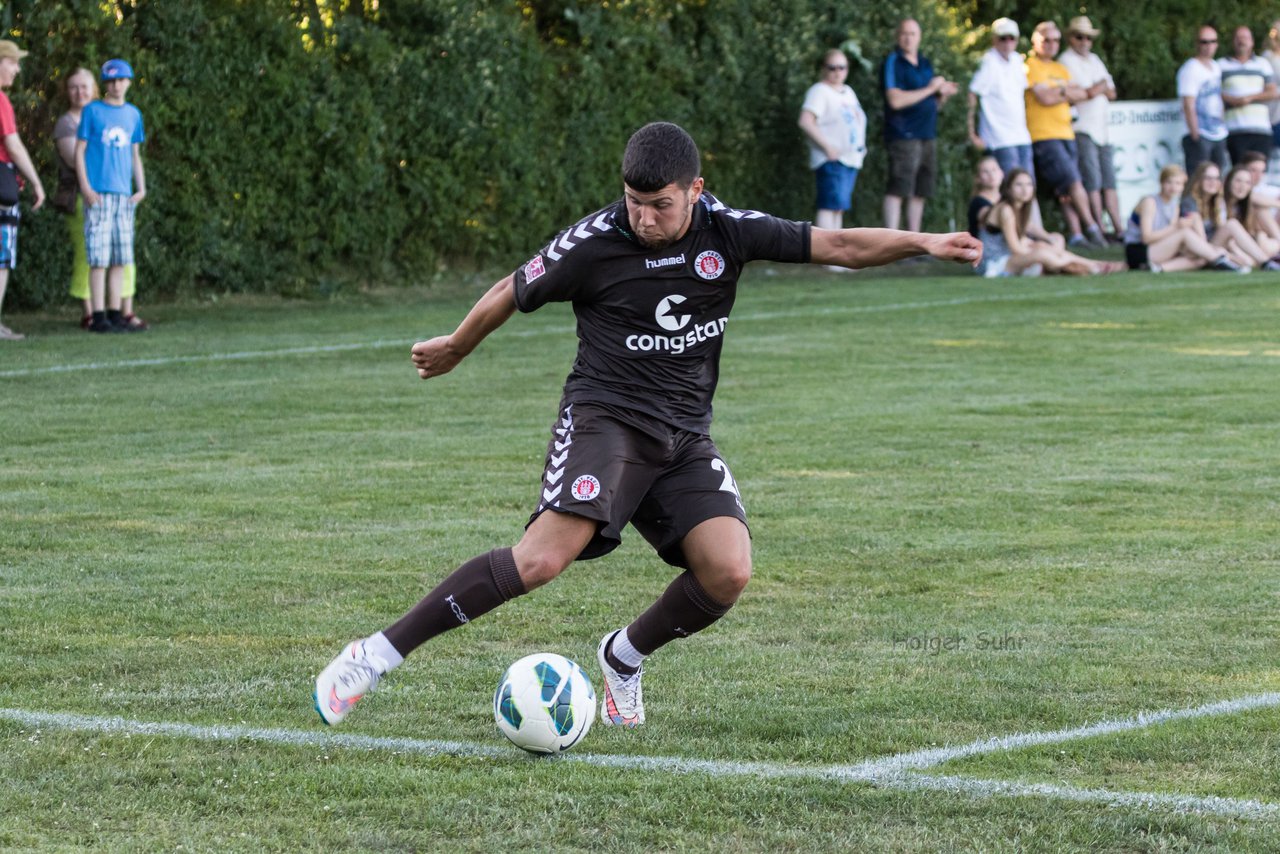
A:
x,y
108,166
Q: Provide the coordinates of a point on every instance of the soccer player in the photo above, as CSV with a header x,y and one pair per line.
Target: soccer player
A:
x,y
652,278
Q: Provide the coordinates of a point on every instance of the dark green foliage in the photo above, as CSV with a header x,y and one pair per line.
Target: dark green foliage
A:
x,y
304,146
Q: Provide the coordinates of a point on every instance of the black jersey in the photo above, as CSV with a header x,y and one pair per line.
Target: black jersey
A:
x,y
651,321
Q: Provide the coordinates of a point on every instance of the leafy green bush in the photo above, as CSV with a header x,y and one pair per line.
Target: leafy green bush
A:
x,y
304,146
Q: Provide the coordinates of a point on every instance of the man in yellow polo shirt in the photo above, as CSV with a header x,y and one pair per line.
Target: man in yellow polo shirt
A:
x,y
1050,94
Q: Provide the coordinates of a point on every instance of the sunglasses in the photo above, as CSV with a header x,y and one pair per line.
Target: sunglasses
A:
x,y
1081,37
837,67
1008,38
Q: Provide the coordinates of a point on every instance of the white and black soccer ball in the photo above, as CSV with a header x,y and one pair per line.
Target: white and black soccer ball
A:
x,y
544,703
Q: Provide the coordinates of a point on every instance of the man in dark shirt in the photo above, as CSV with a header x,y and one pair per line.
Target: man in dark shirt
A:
x,y
652,279
912,95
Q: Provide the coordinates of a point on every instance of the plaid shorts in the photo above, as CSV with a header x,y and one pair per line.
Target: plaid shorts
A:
x,y
8,238
108,231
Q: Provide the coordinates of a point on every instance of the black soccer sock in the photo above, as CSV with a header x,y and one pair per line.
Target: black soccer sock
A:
x,y
683,609
477,587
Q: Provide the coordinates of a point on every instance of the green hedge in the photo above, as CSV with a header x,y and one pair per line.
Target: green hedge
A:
x,y
305,146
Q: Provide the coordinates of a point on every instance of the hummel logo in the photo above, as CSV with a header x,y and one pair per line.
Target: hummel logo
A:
x,y
663,262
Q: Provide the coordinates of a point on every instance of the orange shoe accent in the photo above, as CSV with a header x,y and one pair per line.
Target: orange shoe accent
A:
x,y
339,706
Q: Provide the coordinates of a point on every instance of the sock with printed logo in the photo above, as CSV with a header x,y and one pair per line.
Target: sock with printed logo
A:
x,y
477,587
683,609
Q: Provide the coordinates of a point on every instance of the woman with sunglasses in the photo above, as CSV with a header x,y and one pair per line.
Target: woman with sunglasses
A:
x,y
1206,200
836,128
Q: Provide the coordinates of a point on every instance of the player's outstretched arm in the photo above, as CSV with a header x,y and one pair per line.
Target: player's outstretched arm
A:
x,y
871,247
441,355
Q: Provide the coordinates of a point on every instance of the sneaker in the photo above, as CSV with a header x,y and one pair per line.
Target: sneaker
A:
x,y
1271,266
623,701
7,334
345,681
1097,238
103,326
1226,265
1077,240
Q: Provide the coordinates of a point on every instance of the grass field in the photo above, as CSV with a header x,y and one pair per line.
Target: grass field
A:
x,y
997,526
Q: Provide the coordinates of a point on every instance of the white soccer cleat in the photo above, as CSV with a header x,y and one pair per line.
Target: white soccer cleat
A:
x,y
346,680
622,703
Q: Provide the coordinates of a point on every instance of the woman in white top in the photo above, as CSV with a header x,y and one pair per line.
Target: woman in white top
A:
x,y
836,127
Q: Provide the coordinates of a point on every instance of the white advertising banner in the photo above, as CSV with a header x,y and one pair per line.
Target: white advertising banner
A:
x,y
1146,136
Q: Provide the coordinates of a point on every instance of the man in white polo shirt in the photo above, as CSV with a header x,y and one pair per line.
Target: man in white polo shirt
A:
x,y
1248,86
999,85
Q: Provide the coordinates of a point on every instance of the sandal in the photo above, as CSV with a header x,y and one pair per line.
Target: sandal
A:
x,y
86,321
135,324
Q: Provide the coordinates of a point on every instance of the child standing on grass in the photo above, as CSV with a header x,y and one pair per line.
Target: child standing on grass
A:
x,y
108,165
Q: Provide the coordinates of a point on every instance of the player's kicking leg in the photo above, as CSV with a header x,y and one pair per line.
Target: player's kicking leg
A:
x,y
718,552
481,584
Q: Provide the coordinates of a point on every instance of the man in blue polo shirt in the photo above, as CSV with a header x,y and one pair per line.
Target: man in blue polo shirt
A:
x,y
912,95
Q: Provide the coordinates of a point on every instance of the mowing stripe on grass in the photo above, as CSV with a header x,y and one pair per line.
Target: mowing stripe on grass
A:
x,y
808,311
896,772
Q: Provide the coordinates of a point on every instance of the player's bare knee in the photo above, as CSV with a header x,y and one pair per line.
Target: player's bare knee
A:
x,y
537,567
727,579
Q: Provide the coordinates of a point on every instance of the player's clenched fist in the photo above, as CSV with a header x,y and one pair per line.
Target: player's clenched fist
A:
x,y
434,357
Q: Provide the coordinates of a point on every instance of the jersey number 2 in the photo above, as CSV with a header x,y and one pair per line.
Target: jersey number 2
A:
x,y
729,484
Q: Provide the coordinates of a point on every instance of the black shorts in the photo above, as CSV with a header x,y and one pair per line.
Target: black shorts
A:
x,y
616,466
1135,255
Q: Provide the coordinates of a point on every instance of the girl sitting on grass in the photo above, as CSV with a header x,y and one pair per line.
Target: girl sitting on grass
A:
x,y
1237,191
1161,238
1206,199
1014,244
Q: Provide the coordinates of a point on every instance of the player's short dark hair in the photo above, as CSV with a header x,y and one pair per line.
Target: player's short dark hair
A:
x,y
1253,157
658,154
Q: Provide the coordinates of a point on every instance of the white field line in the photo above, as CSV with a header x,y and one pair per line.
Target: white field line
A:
x,y
894,772
979,788
809,311
920,759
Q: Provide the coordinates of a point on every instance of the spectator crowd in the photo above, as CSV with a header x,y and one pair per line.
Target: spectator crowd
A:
x,y
101,181
1039,121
